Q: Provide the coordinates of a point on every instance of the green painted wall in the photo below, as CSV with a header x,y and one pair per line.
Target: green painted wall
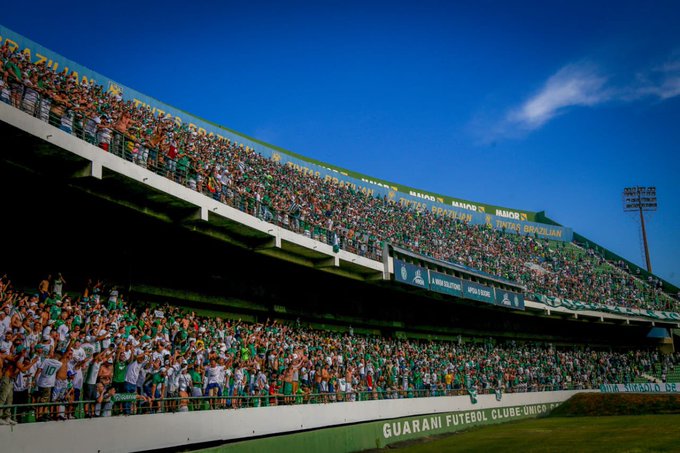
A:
x,y
369,435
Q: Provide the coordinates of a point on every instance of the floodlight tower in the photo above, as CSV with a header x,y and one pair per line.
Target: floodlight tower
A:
x,y
641,199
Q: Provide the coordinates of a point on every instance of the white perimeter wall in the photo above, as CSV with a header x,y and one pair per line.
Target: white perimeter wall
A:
x,y
145,432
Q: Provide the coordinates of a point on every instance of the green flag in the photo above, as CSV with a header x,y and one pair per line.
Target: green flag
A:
x,y
473,395
336,243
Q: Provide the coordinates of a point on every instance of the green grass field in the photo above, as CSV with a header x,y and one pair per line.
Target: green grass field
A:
x,y
641,433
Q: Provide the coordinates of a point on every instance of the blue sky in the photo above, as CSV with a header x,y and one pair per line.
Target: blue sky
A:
x,y
553,106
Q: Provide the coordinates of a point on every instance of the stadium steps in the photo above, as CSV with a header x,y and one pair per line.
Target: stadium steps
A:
x,y
672,375
650,378
607,267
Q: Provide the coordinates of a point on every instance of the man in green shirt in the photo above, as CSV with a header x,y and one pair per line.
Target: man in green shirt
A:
x,y
196,391
14,78
119,369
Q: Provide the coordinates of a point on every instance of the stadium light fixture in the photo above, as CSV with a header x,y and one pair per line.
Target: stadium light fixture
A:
x,y
641,199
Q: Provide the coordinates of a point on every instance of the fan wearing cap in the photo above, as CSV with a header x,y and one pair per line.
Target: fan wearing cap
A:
x,y
14,78
69,396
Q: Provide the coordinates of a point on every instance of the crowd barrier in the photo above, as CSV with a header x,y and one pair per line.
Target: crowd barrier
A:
x,y
135,404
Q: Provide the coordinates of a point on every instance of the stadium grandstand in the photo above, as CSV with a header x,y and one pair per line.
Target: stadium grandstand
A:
x,y
157,266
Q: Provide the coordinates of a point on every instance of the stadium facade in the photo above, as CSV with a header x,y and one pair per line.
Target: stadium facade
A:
x,y
96,210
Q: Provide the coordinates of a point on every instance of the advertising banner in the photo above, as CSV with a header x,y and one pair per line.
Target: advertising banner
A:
x,y
475,291
410,428
509,299
410,274
669,387
512,221
577,306
445,284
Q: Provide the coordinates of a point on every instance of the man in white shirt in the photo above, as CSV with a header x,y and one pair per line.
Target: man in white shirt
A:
x,y
132,373
45,379
214,377
78,352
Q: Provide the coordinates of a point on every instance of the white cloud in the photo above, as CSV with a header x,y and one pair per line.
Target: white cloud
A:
x,y
583,85
573,85
662,82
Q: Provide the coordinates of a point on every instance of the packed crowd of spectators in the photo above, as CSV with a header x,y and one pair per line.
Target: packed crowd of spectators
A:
x,y
96,347
319,208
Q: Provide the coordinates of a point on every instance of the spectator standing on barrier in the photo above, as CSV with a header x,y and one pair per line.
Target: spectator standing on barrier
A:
x,y
14,78
132,373
61,383
44,288
58,285
45,379
90,381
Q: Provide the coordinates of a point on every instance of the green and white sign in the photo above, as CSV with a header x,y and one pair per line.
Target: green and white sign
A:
x,y
578,306
445,284
476,291
669,387
410,274
414,427
509,299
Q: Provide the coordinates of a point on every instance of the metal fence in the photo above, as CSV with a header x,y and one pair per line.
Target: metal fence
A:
x,y
135,404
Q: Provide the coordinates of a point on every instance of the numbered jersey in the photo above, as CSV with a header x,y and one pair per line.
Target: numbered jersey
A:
x,y
48,372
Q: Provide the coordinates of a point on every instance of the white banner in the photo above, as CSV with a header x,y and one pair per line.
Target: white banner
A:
x,y
669,387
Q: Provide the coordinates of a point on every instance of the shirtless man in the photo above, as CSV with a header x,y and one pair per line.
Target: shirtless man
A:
x,y
288,384
62,373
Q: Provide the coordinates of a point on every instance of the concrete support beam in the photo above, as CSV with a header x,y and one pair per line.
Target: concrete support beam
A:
x,y
200,213
332,261
271,243
89,170
374,277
